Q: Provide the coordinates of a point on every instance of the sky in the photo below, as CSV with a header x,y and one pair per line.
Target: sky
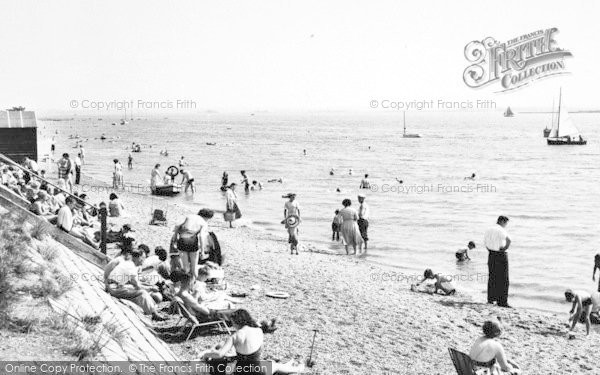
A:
x,y
278,55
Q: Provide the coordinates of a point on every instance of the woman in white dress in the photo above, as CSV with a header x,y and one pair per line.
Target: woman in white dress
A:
x,y
232,210
350,231
118,175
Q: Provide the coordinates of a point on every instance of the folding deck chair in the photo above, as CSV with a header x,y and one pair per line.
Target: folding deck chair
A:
x,y
462,362
191,319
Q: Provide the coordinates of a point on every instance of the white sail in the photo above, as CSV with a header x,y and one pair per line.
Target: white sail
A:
x,y
565,124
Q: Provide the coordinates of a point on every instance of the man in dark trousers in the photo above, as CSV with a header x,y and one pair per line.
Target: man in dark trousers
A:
x,y
497,242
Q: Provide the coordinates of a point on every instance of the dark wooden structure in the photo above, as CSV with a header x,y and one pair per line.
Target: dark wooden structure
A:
x,y
18,134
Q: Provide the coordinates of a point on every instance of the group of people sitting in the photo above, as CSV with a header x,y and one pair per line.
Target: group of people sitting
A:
x,y
191,274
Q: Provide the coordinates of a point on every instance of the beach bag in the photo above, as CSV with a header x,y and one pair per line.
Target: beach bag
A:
x,y
229,216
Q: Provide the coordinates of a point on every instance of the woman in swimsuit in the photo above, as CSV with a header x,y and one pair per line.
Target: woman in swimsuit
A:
x,y
581,309
189,237
488,355
247,342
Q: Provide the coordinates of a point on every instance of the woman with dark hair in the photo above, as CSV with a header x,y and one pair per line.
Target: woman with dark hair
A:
x,y
247,342
350,231
488,354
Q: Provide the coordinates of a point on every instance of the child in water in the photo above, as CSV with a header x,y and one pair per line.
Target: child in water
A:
x,y
336,226
596,266
463,254
442,283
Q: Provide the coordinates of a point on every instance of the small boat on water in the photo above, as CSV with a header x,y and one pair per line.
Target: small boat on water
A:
x,y
166,190
508,112
565,132
211,144
408,135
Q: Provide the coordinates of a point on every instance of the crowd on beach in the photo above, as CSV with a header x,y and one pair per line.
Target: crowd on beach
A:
x,y
189,274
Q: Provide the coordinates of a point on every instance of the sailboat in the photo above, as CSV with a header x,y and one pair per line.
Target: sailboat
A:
x,y
508,112
546,130
408,135
565,132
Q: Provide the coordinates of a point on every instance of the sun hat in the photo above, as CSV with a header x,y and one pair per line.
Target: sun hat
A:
x,y
292,221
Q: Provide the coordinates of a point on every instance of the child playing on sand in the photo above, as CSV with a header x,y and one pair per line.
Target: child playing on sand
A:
x,y
596,266
336,226
463,254
442,283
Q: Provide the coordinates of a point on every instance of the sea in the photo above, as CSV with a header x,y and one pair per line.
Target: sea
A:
x,y
550,193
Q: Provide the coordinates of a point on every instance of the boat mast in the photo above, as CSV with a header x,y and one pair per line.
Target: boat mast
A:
x,y
558,118
552,121
404,116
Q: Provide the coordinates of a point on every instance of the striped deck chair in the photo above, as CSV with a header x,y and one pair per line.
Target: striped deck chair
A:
x,y
192,321
462,362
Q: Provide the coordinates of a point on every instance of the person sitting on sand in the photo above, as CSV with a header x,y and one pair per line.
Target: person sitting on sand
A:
x,y
121,281
488,354
596,266
64,221
248,341
442,283
583,305
115,207
463,254
41,207
163,268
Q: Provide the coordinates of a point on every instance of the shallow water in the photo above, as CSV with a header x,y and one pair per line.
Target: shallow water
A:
x,y
550,193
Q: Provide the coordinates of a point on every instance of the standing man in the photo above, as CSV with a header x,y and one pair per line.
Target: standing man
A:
x,y
291,208
188,179
130,161
497,242
363,219
64,171
77,169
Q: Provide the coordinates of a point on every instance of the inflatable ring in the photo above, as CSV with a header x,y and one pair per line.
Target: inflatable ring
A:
x,y
292,221
280,295
172,171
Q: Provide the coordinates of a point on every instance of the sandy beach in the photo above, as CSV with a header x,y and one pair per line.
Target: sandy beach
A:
x,y
365,324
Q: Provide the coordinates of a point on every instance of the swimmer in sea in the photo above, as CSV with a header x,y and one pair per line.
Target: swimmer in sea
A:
x,y
399,180
280,180
472,177
331,172
350,172
463,254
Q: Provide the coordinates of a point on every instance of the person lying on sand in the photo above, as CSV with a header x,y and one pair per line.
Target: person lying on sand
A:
x,y
442,283
581,310
200,310
488,355
247,342
463,254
